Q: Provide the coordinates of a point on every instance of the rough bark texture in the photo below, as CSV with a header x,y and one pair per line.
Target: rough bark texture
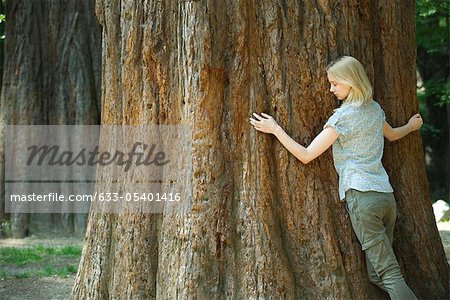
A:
x,y
52,76
262,225
2,42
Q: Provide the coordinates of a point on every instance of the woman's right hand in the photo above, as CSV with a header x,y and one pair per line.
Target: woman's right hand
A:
x,y
264,123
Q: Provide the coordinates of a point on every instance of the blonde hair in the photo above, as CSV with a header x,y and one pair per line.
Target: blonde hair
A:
x,y
348,70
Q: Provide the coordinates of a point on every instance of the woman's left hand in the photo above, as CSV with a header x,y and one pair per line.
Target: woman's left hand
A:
x,y
415,122
264,123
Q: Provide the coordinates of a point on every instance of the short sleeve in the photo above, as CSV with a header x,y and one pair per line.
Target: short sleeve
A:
x,y
383,115
338,122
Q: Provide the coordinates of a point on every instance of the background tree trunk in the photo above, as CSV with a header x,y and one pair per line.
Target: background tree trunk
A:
x,y
2,41
433,58
52,76
262,225
435,76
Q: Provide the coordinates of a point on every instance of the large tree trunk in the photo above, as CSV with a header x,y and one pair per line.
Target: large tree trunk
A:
x,y
262,224
52,76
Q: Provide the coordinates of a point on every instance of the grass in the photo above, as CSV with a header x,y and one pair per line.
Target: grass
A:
x,y
47,271
20,257
38,261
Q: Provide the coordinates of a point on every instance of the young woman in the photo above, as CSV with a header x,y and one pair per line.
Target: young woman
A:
x,y
357,130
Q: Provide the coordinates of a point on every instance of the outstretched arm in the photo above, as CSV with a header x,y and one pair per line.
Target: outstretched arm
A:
x,y
322,142
393,134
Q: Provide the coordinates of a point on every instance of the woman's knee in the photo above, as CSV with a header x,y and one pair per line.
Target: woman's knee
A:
x,y
373,278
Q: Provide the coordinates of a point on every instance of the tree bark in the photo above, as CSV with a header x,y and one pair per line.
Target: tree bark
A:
x,y
52,77
2,42
262,224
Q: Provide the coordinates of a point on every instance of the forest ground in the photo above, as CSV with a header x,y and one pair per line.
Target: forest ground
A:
x,y
59,288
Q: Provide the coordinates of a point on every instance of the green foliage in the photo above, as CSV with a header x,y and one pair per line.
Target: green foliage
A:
x,y
433,49
19,256
427,129
5,228
38,261
432,35
440,90
45,272
70,251
432,17
2,20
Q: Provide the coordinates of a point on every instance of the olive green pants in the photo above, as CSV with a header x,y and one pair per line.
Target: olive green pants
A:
x,y
373,217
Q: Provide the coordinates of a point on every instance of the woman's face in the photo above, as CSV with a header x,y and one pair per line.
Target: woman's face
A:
x,y
340,90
